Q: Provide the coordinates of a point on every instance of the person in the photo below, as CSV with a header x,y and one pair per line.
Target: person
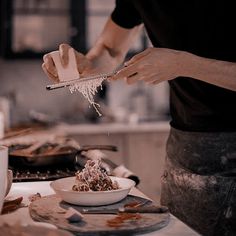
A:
x,y
194,49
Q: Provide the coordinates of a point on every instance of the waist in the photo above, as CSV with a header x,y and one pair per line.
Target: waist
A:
x,y
203,153
199,106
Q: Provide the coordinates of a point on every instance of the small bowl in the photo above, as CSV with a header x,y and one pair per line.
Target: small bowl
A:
x,y
63,187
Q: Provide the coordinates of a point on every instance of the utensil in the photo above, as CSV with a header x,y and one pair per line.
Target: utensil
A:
x,y
19,157
141,209
79,80
51,209
68,74
10,134
63,187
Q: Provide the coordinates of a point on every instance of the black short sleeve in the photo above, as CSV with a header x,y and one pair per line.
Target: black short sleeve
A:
x,y
125,14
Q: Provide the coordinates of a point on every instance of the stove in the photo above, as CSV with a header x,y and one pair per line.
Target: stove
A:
x,y
43,173
29,173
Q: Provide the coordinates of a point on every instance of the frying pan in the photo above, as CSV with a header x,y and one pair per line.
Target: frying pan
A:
x,y
20,159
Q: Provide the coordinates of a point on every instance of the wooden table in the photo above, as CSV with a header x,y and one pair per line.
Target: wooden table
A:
x,y
175,226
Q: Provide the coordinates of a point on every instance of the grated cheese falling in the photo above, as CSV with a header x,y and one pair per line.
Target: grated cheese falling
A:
x,y
89,89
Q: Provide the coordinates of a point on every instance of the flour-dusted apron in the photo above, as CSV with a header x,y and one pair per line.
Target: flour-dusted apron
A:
x,y
199,180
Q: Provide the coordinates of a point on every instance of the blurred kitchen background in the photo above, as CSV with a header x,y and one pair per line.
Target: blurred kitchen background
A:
x,y
135,118
30,28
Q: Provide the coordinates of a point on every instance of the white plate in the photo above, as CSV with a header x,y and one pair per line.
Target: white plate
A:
x,y
63,187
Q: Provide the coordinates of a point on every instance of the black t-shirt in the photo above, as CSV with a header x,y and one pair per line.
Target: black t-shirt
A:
x,y
202,27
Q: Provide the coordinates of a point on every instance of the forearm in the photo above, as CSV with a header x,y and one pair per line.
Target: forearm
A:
x,y
102,58
112,46
216,72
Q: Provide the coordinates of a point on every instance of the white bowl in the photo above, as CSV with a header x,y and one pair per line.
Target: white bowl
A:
x,y
63,187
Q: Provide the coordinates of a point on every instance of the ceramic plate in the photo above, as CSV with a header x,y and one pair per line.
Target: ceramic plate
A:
x,y
63,187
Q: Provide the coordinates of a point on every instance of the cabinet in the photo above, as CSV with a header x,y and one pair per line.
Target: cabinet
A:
x,y
30,28
146,155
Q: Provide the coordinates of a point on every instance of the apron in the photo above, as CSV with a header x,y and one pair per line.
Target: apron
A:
x,y
199,180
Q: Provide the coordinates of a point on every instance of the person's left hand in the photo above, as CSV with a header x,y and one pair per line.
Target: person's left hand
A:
x,y
153,66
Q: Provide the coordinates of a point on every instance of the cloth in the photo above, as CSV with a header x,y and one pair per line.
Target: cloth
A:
x,y
199,180
201,27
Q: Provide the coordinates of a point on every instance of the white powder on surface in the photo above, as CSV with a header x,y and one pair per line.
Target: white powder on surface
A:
x,y
190,180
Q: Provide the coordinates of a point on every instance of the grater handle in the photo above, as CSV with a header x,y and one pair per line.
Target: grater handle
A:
x,y
64,84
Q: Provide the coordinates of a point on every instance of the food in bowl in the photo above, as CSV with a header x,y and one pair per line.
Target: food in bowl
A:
x,y
93,178
63,188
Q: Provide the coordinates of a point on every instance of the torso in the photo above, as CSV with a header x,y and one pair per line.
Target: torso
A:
x,y
204,28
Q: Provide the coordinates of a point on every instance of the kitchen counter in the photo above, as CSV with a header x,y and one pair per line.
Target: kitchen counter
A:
x,y
89,129
110,128
175,226
137,143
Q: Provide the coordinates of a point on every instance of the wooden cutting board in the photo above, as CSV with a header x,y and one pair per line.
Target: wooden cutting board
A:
x,y
14,230
51,209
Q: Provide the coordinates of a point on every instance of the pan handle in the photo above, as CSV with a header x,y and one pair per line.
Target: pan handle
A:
x,y
98,147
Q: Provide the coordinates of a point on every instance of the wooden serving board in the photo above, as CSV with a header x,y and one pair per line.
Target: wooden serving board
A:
x,y
51,209
14,230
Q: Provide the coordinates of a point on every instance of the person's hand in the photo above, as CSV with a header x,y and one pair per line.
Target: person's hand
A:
x,y
83,64
153,66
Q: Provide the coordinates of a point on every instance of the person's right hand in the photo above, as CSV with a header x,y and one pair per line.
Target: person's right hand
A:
x,y
83,64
